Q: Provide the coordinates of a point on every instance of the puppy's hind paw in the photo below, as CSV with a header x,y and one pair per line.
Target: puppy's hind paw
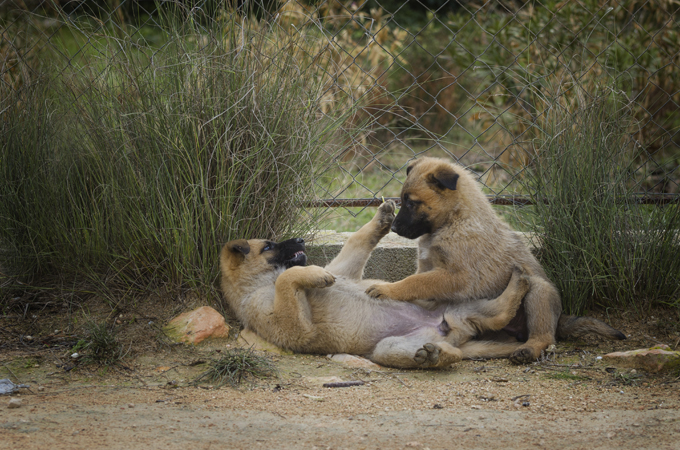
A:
x,y
427,355
521,279
523,355
518,270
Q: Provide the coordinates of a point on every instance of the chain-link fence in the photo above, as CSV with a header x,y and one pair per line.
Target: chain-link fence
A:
x,y
468,80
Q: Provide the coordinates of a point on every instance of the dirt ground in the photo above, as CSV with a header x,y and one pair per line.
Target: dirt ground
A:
x,y
569,400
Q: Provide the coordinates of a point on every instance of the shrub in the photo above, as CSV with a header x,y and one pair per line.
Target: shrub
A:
x,y
597,243
235,366
130,168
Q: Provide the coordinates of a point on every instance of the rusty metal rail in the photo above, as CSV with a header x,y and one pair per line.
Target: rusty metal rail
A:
x,y
662,199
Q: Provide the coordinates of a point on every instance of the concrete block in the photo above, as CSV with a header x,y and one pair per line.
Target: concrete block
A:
x,y
393,259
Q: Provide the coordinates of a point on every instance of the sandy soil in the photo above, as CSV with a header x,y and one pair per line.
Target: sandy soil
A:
x,y
570,400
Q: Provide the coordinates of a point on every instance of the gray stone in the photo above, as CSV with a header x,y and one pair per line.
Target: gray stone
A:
x,y
393,259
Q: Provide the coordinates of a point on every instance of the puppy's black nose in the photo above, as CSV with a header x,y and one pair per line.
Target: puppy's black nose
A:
x,y
393,227
299,241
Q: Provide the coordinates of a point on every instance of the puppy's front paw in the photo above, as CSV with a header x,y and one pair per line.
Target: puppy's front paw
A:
x,y
378,291
387,208
318,277
385,215
327,279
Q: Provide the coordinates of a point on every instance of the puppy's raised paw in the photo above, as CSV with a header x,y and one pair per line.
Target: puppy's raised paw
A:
x,y
385,215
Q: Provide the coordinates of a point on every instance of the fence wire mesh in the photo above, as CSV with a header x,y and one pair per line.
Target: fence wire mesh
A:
x,y
467,80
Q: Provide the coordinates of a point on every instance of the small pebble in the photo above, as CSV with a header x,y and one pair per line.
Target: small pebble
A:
x,y
131,405
15,403
41,388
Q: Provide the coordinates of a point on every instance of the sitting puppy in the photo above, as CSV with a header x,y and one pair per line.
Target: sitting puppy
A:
x,y
310,309
466,252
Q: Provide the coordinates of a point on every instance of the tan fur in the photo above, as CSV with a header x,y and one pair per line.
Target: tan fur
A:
x,y
325,310
468,253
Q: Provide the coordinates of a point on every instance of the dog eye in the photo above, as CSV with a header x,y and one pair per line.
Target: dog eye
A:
x,y
267,247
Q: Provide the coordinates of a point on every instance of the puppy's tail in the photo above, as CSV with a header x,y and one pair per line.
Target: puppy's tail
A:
x,y
574,326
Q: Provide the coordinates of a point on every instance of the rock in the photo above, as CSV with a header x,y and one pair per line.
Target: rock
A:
x,y
15,403
653,359
354,361
195,326
320,381
248,338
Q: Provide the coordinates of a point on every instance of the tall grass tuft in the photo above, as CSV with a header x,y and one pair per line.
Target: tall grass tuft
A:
x,y
100,345
597,243
235,366
131,168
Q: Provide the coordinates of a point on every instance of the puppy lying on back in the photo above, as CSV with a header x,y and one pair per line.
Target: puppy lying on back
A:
x,y
465,252
310,309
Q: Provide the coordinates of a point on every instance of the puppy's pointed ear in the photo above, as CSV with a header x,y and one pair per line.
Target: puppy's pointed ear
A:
x,y
238,246
411,165
443,178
